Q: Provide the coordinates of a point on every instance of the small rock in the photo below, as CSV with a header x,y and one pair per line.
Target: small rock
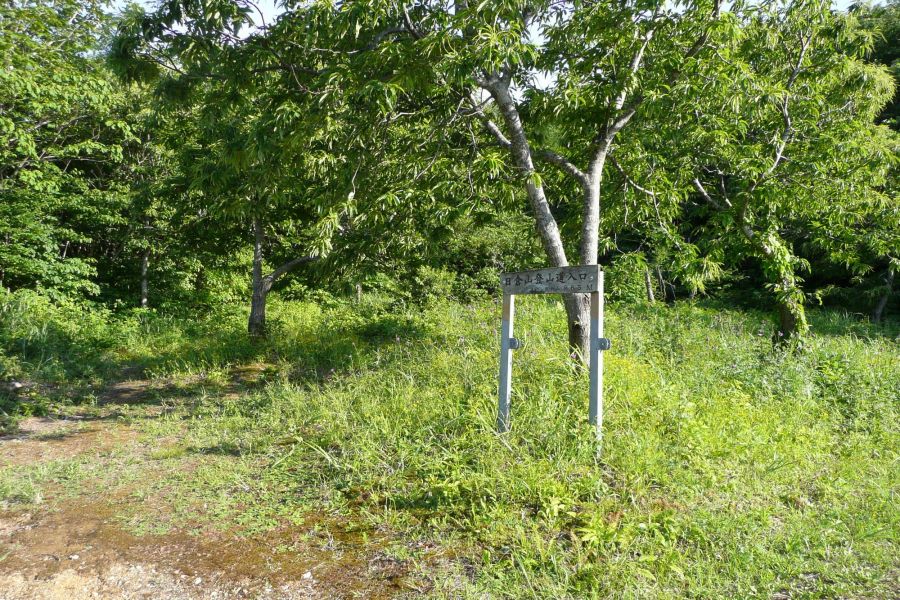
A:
x,y
74,557
198,581
307,575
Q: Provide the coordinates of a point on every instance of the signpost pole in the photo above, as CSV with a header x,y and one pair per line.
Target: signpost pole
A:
x,y
595,406
581,279
506,333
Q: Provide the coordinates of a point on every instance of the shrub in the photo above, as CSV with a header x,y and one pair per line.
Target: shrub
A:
x,y
624,278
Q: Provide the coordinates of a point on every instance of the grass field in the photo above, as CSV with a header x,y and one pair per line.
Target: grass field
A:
x,y
727,469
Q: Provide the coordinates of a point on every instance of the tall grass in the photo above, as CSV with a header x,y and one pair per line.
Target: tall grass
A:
x,y
727,469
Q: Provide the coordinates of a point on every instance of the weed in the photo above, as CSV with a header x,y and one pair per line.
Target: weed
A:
x,y
727,469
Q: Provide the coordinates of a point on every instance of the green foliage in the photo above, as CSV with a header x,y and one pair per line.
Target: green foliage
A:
x,y
727,469
624,278
716,477
55,340
62,131
431,285
349,131
883,20
51,349
788,137
739,145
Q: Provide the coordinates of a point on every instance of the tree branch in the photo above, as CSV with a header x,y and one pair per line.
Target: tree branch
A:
x,y
288,267
631,181
548,156
606,137
609,132
413,30
702,191
561,162
785,116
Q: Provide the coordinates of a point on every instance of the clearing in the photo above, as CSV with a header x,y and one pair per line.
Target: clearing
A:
x,y
353,455
73,540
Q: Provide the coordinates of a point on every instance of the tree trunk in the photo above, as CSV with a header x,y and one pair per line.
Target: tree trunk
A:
x,y
662,284
262,284
648,285
145,284
878,313
666,289
590,222
791,323
578,315
256,326
791,316
789,298
521,154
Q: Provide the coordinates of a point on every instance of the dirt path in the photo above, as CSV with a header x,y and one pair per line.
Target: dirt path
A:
x,y
76,546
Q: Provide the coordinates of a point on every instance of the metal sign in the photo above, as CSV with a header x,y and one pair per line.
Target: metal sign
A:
x,y
560,280
564,280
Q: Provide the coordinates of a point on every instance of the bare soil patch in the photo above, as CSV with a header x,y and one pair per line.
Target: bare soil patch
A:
x,y
135,391
43,439
79,550
77,547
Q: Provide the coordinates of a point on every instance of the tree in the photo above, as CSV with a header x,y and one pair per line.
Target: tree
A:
x,y
240,179
62,128
783,133
239,169
490,61
285,148
884,22
580,104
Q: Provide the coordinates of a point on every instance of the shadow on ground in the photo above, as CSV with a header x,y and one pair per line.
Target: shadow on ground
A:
x,y
77,546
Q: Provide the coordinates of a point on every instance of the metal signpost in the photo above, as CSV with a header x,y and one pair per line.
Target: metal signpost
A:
x,y
561,280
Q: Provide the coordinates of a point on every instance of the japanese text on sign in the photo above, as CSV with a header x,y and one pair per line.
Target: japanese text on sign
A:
x,y
559,280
